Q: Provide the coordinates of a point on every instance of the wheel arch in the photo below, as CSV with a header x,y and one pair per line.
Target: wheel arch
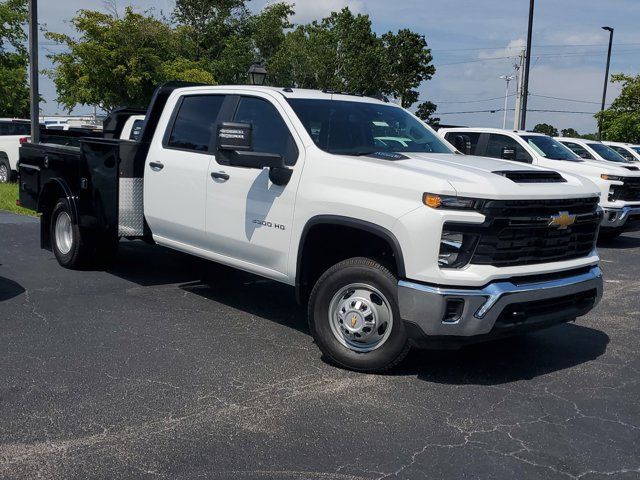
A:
x,y
319,226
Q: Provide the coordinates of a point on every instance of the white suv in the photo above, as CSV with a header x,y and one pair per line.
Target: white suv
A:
x,y
618,182
627,150
592,150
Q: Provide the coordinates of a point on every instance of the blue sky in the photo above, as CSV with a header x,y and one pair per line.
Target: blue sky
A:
x,y
473,42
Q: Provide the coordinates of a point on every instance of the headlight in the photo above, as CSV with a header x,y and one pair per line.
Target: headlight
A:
x,y
613,178
451,202
456,249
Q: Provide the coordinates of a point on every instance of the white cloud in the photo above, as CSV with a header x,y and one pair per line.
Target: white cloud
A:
x,y
513,49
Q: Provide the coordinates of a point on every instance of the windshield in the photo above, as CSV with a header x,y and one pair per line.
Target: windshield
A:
x,y
360,128
550,148
607,153
635,149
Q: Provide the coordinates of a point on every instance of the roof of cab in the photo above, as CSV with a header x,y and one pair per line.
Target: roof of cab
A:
x,y
298,93
491,130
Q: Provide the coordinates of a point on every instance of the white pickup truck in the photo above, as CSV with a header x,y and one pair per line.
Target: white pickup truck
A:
x,y
389,247
617,182
13,132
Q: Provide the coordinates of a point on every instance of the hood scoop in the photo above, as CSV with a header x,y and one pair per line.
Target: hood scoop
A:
x,y
634,169
531,176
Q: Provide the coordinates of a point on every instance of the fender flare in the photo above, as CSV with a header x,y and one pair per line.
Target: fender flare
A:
x,y
355,223
61,184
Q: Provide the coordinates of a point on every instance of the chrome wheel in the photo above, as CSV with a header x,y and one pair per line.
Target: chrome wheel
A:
x,y
361,318
4,173
64,233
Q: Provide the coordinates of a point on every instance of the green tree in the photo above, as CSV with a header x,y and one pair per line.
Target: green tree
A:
x,y
14,90
621,121
570,132
341,52
546,129
118,60
425,112
407,63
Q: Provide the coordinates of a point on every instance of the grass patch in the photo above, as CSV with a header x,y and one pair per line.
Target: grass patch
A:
x,y
8,197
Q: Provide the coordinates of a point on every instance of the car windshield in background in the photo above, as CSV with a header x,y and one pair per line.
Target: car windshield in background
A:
x,y
550,148
635,149
607,153
360,128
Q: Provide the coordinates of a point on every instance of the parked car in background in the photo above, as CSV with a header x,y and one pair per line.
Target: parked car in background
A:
x,y
627,150
132,128
618,182
592,150
388,246
13,132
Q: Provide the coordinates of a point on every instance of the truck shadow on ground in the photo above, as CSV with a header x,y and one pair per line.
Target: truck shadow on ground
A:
x,y
498,362
623,242
510,359
9,289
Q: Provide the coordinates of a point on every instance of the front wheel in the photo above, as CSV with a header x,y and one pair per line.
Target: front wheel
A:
x,y
354,316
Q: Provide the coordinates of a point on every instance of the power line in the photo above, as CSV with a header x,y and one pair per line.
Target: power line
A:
x,y
496,110
520,47
564,99
473,101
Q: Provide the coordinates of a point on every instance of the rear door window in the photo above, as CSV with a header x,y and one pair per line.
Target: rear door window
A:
x,y
473,137
194,126
497,142
578,150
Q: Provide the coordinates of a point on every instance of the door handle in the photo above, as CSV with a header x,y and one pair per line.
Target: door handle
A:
x,y
220,176
156,166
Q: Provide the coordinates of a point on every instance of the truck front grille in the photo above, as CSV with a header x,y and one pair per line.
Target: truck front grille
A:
x,y
628,191
524,233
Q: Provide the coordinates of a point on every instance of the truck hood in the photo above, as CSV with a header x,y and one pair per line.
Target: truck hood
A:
x,y
595,168
472,176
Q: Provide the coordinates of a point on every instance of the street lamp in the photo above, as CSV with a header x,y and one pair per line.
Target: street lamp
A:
x,y
257,74
606,79
508,79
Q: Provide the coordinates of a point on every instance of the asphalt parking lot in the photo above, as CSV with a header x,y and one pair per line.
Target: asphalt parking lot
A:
x,y
167,366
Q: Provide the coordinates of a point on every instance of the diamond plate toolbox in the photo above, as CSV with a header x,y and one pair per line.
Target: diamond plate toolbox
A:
x,y
130,208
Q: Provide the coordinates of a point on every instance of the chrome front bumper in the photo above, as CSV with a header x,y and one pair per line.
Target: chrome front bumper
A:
x,y
617,217
426,306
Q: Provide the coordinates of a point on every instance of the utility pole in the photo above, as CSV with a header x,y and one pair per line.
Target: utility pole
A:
x,y
606,79
519,67
33,71
508,79
525,91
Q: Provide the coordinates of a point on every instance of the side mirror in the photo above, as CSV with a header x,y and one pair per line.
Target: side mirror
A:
x,y
508,153
463,144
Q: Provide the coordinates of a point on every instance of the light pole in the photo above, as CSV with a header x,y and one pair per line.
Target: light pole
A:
x,y
33,71
508,79
525,86
606,79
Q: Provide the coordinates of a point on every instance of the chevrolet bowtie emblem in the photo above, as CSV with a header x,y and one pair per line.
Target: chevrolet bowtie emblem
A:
x,y
354,320
562,220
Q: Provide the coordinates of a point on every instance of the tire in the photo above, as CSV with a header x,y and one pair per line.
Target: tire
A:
x,y
71,246
338,291
5,170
